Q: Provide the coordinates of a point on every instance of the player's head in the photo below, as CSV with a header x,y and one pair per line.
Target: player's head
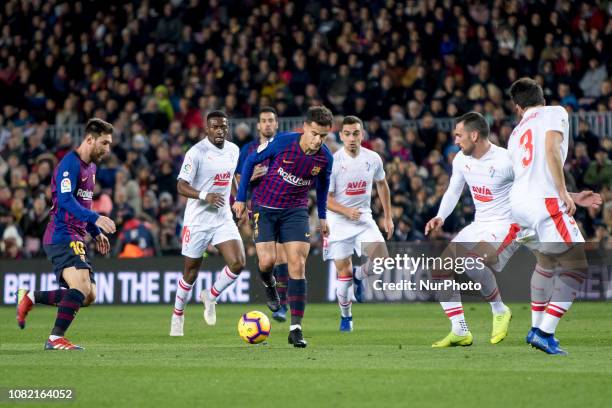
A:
x,y
470,129
267,122
351,133
526,93
217,127
98,139
316,126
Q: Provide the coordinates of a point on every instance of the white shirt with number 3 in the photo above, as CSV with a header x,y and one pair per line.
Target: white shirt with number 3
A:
x,y
527,148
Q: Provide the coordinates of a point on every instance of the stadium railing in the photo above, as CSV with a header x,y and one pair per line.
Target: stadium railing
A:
x,y
600,123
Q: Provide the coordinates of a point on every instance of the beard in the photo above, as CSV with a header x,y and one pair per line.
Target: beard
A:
x,y
98,156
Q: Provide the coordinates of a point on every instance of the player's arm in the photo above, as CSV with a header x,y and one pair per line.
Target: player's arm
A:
x,y
587,199
384,194
555,166
263,152
449,199
66,181
259,170
352,214
323,181
186,176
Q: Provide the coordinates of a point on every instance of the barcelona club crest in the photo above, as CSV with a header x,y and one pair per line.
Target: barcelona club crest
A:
x,y
315,170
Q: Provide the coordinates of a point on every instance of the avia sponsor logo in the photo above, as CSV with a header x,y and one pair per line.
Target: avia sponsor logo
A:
x,y
85,194
482,194
356,187
291,179
222,179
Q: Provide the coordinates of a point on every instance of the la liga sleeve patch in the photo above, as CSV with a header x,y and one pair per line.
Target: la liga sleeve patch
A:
x,y
65,185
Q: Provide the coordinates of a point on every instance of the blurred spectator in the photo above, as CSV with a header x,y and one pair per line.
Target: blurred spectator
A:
x,y
599,173
155,69
135,239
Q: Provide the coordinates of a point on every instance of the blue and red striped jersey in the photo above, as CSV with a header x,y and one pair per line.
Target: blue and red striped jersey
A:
x,y
291,174
246,150
72,188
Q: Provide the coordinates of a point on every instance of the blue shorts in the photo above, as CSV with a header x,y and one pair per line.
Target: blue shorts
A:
x,y
67,255
280,225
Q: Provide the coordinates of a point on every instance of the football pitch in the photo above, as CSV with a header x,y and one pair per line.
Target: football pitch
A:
x,y
387,361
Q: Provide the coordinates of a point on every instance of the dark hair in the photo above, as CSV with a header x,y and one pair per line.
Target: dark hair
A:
x,y
526,92
216,114
267,109
474,121
351,120
319,115
97,127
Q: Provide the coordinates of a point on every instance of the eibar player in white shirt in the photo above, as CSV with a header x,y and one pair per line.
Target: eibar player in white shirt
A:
x,y
487,170
540,201
206,178
490,177
354,172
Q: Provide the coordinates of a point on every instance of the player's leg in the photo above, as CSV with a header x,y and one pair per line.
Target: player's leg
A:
x,y
232,251
556,233
542,281
266,254
294,234
194,242
371,243
265,231
297,253
91,298
344,273
281,274
493,256
26,299
79,287
450,300
572,271
191,268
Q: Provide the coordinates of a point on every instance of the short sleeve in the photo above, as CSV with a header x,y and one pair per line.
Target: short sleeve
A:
x,y
379,171
189,167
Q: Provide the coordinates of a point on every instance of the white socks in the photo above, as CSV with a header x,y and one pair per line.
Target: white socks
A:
x,y
454,311
224,279
342,293
183,294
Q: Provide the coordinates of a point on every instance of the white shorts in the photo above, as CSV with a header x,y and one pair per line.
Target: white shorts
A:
x,y
197,238
553,230
500,234
344,248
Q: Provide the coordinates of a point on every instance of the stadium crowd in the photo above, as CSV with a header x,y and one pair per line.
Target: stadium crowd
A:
x,y
154,69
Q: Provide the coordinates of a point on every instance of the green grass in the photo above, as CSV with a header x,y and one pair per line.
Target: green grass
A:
x,y
131,361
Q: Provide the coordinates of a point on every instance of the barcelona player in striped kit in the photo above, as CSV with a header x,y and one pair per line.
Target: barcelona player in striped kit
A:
x,y
267,126
298,161
71,219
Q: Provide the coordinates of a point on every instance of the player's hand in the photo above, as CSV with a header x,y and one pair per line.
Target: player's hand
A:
x,y
389,227
215,199
243,220
352,214
569,203
587,199
324,228
238,208
433,224
260,171
102,244
106,224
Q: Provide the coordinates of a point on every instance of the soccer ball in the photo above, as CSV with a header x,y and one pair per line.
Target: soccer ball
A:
x,y
254,327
